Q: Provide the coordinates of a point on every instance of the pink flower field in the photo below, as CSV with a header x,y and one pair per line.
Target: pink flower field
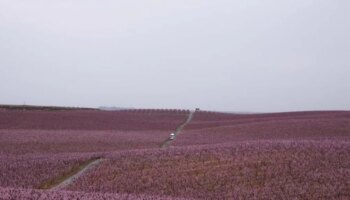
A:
x,y
34,171
48,154
65,141
247,170
213,128
91,120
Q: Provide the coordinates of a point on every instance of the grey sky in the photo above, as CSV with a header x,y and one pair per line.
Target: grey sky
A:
x,y
259,56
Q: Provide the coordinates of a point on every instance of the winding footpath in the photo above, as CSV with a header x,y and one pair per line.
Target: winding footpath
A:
x,y
178,130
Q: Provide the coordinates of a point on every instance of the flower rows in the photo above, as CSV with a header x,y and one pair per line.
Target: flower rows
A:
x,y
220,128
19,142
36,171
212,119
91,120
247,170
30,194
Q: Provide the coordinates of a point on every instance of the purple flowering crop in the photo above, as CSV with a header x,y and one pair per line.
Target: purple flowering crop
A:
x,y
298,155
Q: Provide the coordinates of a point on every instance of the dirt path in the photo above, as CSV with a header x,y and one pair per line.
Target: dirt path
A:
x,y
65,181
68,179
178,130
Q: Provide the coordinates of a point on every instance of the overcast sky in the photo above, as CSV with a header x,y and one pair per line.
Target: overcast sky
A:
x,y
256,56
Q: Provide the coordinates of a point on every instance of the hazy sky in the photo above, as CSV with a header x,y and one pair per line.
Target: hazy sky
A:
x,y
246,55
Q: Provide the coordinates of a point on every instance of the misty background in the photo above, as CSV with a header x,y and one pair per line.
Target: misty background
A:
x,y
225,55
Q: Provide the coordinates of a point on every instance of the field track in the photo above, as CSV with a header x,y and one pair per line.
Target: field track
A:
x,y
61,184
66,181
178,130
